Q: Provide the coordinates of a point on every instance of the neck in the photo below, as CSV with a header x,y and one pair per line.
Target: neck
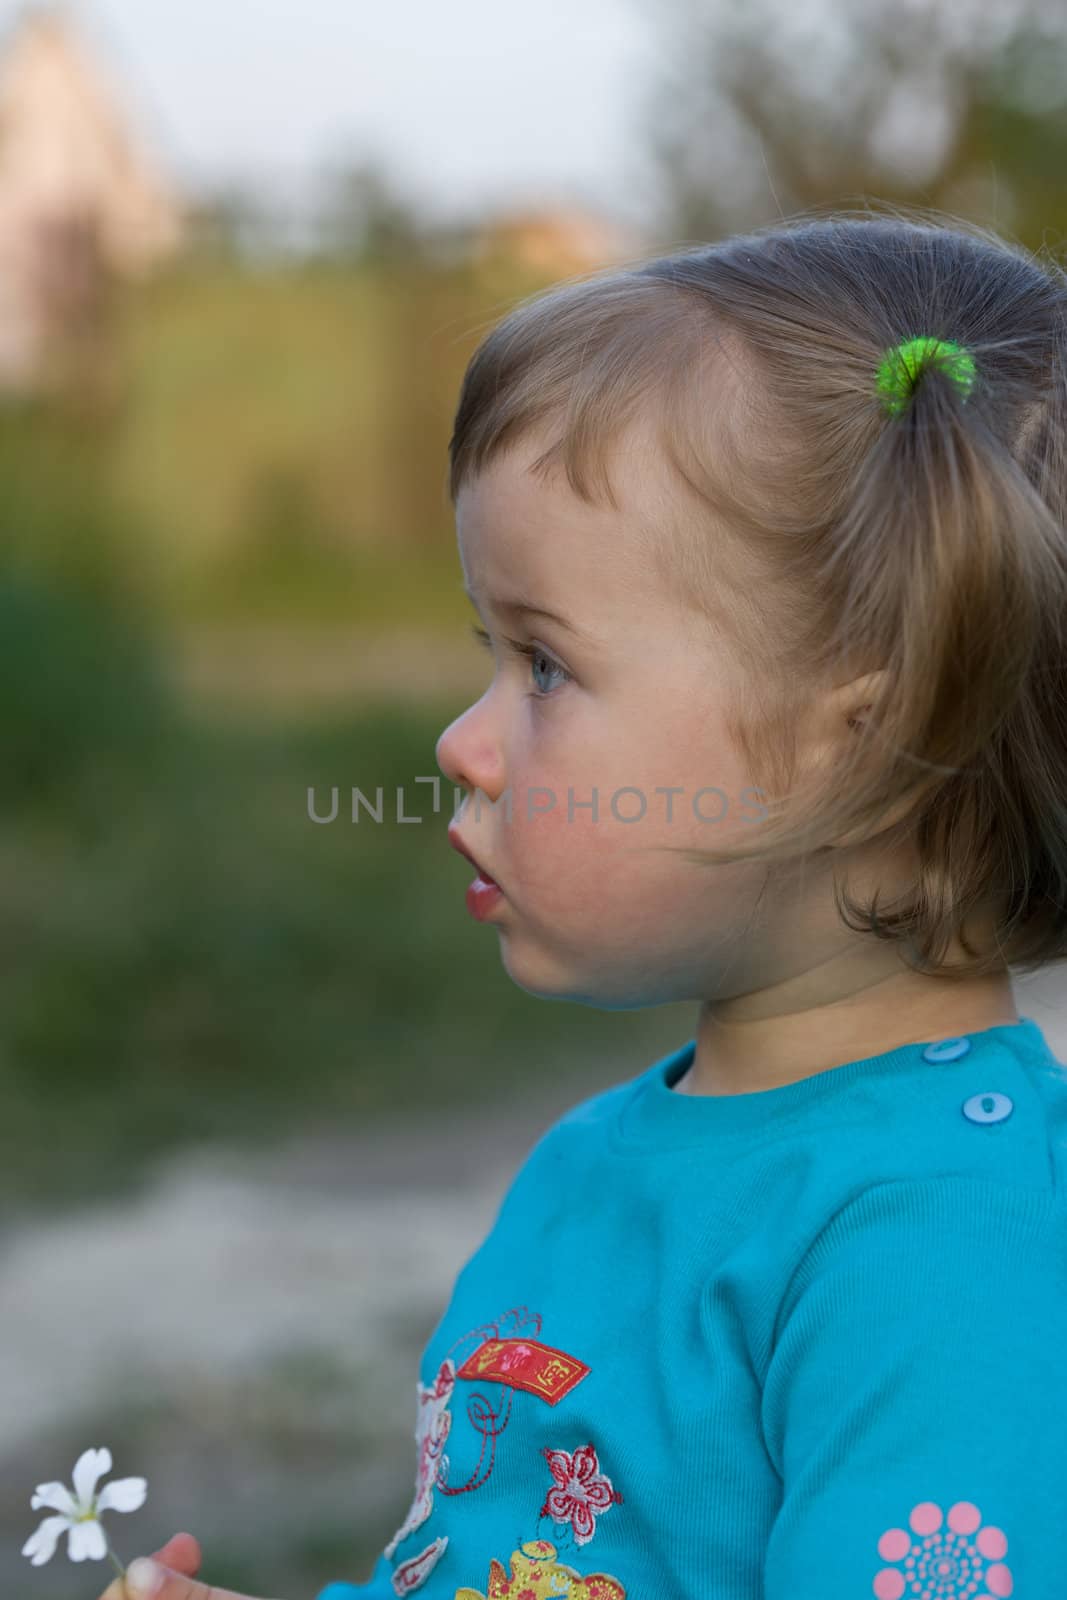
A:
x,y
767,1039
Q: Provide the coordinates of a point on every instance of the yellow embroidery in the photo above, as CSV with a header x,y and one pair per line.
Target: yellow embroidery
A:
x,y
536,1575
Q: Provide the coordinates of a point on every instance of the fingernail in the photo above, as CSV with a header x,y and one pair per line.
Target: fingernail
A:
x,y
144,1578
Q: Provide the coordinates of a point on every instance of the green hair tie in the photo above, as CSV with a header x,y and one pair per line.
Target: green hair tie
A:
x,y
899,370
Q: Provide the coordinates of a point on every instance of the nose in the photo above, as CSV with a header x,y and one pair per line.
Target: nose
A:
x,y
468,754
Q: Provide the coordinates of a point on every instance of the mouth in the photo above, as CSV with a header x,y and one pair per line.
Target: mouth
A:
x,y
458,845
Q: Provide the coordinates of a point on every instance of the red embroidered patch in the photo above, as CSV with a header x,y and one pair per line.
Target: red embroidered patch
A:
x,y
526,1364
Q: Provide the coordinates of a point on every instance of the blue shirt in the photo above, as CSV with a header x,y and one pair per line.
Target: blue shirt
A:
x,y
808,1343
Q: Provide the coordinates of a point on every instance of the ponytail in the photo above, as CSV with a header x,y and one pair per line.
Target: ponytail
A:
x,y
965,566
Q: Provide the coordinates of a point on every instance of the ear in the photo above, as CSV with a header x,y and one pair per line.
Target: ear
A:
x,y
835,720
838,716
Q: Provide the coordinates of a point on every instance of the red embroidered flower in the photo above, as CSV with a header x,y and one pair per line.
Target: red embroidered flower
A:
x,y
581,1490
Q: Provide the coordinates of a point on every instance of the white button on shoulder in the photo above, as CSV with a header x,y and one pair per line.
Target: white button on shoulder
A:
x,y
990,1107
946,1050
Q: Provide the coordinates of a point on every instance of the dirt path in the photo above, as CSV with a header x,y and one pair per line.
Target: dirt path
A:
x,y
229,1256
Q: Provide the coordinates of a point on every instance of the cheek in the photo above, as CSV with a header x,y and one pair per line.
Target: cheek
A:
x,y
544,842
608,860
568,866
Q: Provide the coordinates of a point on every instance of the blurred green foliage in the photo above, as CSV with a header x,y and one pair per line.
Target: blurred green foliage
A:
x,y
86,703
282,435
84,691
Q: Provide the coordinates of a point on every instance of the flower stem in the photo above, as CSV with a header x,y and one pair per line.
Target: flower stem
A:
x,y
115,1562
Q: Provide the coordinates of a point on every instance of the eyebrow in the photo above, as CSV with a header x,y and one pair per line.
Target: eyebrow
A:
x,y
517,606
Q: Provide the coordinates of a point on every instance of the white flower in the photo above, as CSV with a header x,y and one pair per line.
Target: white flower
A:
x,y
79,1511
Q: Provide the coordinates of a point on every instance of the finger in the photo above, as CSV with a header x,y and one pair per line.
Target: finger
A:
x,y
181,1553
142,1584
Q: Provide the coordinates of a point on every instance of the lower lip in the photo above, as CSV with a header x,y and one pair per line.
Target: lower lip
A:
x,y
482,897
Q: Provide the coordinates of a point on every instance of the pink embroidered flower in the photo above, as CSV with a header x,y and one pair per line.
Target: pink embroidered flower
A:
x,y
951,1557
580,1492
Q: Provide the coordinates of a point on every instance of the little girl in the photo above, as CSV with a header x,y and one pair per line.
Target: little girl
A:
x,y
778,724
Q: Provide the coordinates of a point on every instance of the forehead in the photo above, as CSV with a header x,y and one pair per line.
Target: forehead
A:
x,y
521,530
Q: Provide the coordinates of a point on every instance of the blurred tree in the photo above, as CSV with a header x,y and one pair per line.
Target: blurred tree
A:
x,y
364,216
962,108
286,539
232,223
87,703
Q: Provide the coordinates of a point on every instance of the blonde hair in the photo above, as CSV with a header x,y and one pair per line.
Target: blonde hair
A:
x,y
929,546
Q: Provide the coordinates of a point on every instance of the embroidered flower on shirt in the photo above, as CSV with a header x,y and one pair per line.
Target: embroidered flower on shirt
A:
x,y
431,1430
581,1491
952,1557
535,1574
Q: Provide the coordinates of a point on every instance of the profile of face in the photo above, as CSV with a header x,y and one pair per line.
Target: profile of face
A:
x,y
625,698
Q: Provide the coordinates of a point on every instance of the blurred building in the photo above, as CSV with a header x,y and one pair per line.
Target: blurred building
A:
x,y
81,203
556,242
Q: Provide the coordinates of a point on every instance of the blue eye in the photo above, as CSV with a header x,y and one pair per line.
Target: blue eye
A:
x,y
531,651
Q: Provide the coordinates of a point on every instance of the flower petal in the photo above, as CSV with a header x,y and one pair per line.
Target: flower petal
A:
x,y
87,1542
125,1494
41,1546
56,1496
90,1465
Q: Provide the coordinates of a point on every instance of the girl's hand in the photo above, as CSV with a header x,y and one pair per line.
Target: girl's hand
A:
x,y
180,1559
181,1554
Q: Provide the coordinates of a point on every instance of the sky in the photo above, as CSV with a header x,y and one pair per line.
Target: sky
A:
x,y
467,104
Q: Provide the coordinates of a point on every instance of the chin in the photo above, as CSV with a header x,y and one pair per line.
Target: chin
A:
x,y
559,984
537,978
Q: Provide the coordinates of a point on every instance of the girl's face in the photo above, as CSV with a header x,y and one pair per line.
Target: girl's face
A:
x,y
623,699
